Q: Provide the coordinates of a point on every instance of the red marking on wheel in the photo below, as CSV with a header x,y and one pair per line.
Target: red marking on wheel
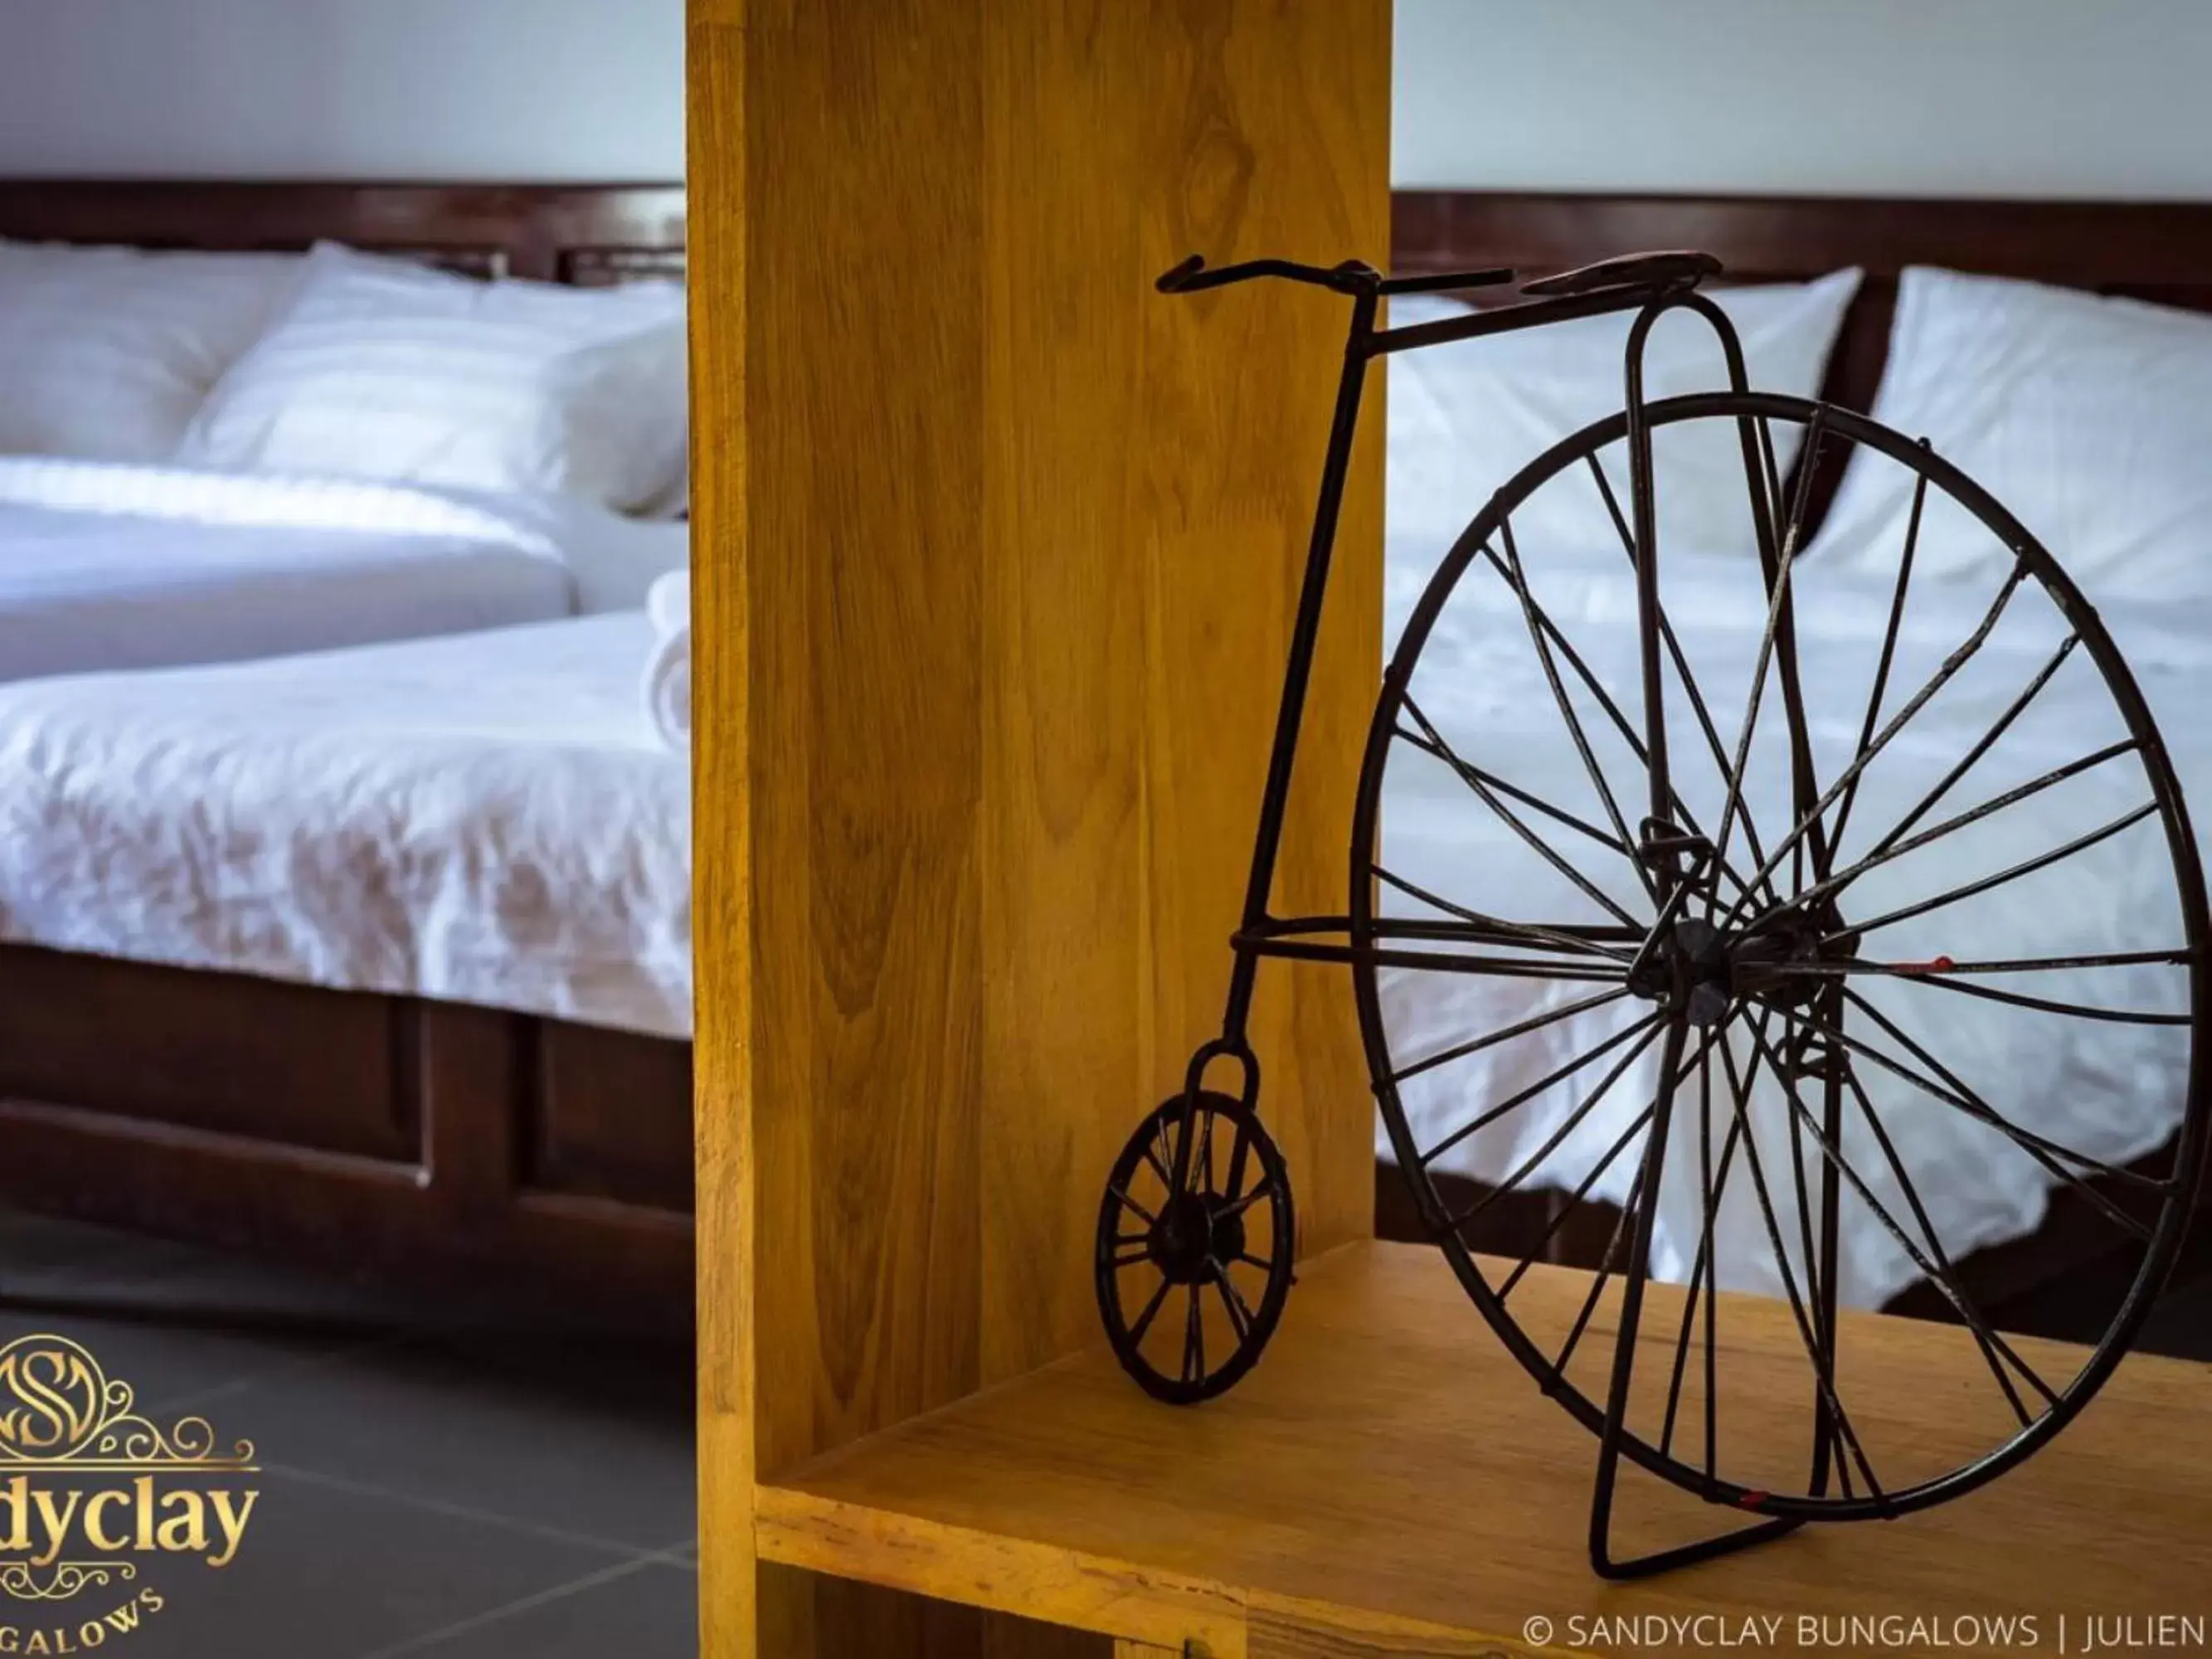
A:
x,y
1752,1500
1940,965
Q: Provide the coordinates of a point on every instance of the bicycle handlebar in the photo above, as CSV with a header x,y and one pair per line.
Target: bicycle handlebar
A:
x,y
1353,276
1192,275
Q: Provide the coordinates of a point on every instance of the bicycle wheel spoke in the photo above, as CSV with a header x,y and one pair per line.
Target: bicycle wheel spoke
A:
x,y
1586,968
1240,1156
1582,1191
1935,681
1765,505
1575,944
1542,849
2027,1139
1804,785
1737,1134
1612,1253
2045,1152
1945,1281
1644,1027
1847,967
1238,1205
1704,1271
1948,1282
1681,662
1521,1027
1122,1193
1239,1311
1201,1160
1611,711
1777,606
1529,610
1151,1312
1927,973
1160,1161
1822,1366
1194,1339
1888,643
1813,1276
1513,792
1982,744
2026,867
1604,1270
1535,1251
1883,854
1710,1186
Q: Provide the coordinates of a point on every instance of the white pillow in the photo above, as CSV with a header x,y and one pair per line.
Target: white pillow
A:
x,y
1465,417
385,369
105,352
2089,418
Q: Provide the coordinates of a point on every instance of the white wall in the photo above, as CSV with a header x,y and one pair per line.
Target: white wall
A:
x,y
2089,98
2099,98
515,89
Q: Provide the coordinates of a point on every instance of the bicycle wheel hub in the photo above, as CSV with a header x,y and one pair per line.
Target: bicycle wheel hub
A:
x,y
1191,1236
1705,969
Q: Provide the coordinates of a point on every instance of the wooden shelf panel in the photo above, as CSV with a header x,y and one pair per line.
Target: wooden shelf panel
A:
x,y
1389,1465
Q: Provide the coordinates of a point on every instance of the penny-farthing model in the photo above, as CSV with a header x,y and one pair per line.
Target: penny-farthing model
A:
x,y
1737,1000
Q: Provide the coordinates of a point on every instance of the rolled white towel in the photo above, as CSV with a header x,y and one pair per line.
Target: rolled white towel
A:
x,y
668,671
668,602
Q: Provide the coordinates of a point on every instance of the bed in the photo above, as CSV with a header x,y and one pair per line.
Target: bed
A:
x,y
127,537
434,1126
373,1130
111,565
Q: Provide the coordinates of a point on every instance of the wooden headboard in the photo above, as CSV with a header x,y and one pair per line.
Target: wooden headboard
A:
x,y
2155,251
588,234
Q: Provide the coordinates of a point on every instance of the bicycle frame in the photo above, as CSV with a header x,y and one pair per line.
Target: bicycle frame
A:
x,y
1260,932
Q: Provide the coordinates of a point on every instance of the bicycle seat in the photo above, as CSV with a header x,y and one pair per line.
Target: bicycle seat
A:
x,y
1682,266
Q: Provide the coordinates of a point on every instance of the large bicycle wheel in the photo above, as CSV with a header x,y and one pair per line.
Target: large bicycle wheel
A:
x,y
1844,921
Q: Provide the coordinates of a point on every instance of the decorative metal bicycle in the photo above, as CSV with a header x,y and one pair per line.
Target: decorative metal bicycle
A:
x,y
1747,950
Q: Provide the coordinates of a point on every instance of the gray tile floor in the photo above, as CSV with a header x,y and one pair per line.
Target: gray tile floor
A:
x,y
431,1483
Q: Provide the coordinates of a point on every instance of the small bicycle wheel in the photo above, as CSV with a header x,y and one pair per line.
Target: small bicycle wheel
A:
x,y
1843,919
1192,1274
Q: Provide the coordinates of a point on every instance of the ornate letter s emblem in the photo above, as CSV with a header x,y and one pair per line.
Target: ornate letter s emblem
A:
x,y
58,1407
53,1396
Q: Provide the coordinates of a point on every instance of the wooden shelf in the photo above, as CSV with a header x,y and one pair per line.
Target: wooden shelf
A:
x,y
1389,1480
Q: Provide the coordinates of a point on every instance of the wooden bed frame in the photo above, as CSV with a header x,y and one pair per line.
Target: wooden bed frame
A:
x,y
382,1135
542,1158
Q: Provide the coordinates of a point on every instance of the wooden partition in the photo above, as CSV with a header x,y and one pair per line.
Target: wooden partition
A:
x,y
996,552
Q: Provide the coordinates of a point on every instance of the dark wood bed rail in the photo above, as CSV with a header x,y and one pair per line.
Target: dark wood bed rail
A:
x,y
2156,250
592,235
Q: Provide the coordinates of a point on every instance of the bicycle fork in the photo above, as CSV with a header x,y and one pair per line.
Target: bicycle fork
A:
x,y
1282,758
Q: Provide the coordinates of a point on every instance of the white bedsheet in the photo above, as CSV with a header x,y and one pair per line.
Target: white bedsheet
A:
x,y
2110,1090
483,819
489,818
112,565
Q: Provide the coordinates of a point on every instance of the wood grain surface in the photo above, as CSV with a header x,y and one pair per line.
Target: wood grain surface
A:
x,y
1389,1481
994,557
